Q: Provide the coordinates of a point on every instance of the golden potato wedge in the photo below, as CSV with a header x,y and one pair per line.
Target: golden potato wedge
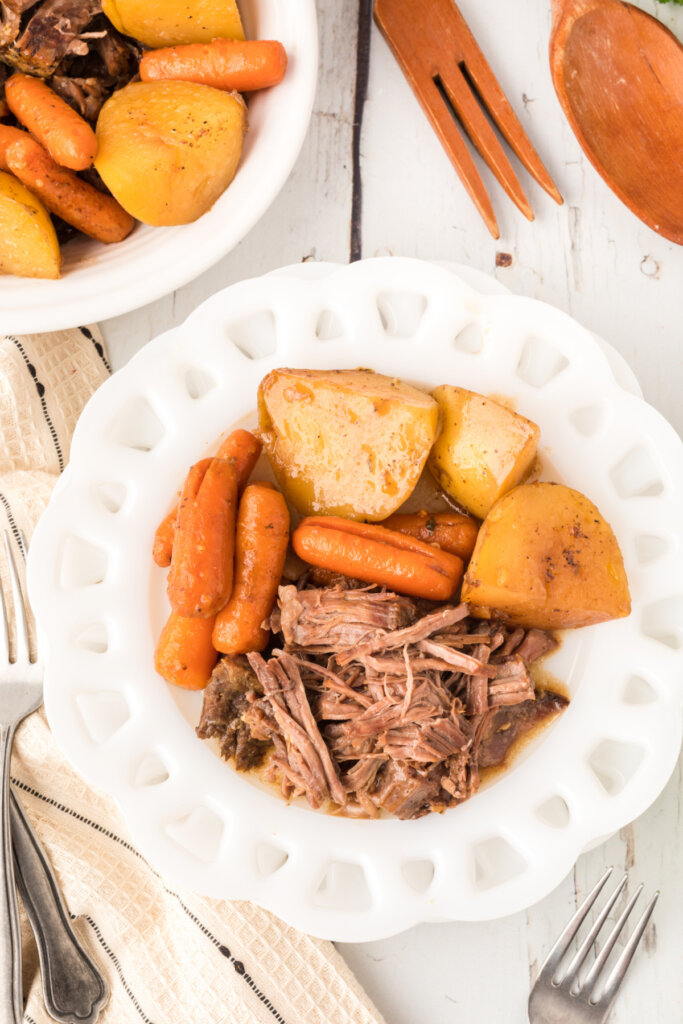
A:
x,y
171,22
545,557
348,443
28,243
168,150
483,449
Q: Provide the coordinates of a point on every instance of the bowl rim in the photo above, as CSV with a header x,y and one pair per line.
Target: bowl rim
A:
x,y
139,270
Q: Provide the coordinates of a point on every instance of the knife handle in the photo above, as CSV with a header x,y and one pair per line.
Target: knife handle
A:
x,y
73,989
11,998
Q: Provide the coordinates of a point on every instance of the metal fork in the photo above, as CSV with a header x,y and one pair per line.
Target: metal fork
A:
x,y
564,995
73,989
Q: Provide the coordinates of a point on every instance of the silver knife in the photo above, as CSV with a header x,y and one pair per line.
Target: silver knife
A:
x,y
74,991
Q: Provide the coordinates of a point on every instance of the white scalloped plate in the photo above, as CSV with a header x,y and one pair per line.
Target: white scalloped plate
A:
x,y
200,823
100,281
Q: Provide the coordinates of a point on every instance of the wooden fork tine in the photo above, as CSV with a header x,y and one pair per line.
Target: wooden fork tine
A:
x,y
483,136
452,141
418,74
498,106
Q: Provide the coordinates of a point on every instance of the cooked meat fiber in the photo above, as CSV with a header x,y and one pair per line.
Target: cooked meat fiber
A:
x,y
368,706
232,689
72,45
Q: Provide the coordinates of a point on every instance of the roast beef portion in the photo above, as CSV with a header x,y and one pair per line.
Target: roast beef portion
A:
x,y
367,706
72,45
230,693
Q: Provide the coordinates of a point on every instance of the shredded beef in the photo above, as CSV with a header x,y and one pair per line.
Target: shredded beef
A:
x,y
371,703
226,699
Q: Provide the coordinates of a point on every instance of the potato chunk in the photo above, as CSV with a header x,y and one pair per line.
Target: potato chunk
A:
x,y
168,150
483,449
545,557
28,243
171,22
347,443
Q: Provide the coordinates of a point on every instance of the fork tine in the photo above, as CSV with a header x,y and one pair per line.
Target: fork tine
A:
x,y
22,645
4,627
618,972
482,135
591,978
581,953
446,129
509,124
550,964
498,106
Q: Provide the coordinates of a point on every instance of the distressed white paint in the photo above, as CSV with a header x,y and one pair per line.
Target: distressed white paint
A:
x,y
590,257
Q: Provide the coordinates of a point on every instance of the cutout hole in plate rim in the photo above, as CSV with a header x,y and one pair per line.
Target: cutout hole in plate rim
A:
x,y
470,338
401,312
270,857
103,713
495,862
199,832
540,362
136,425
255,335
112,494
151,771
638,473
329,326
199,382
81,563
343,886
614,763
418,874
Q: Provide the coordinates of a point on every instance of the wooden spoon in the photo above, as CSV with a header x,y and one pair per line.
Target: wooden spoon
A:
x,y
618,74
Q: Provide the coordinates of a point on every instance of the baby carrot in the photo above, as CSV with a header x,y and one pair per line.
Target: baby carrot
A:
x,y
200,578
374,554
163,539
165,532
185,655
64,193
260,551
223,63
450,531
242,448
8,135
67,136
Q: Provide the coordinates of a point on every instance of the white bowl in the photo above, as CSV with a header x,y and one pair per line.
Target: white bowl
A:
x,y
101,281
101,603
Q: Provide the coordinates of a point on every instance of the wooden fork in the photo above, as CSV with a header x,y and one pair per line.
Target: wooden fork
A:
x,y
453,81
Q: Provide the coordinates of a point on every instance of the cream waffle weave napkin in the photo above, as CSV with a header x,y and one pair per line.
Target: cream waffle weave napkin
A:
x,y
170,957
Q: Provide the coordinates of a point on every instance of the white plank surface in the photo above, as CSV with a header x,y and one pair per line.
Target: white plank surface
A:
x,y
590,257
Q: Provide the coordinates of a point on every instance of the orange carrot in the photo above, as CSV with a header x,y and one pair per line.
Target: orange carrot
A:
x,y
223,64
185,655
8,135
64,193
374,554
450,531
67,136
163,538
260,551
200,579
242,449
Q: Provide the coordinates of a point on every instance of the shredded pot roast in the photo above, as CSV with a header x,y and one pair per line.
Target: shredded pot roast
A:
x,y
369,702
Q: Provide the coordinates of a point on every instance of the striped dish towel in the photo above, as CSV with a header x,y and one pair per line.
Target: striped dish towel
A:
x,y
170,956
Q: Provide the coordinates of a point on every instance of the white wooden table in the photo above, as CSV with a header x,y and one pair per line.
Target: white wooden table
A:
x,y
372,180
